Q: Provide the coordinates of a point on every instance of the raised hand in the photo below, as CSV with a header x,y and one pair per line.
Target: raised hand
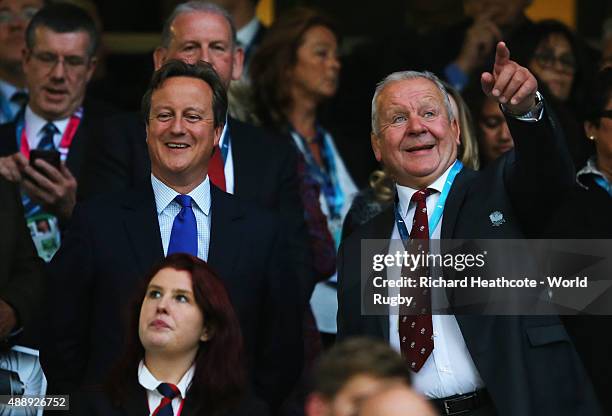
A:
x,y
509,83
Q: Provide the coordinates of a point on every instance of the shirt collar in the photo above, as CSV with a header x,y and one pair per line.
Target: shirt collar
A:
x,y
247,33
149,382
164,195
589,169
34,123
405,193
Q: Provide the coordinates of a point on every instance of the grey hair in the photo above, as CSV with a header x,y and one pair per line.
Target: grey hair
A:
x,y
407,75
196,6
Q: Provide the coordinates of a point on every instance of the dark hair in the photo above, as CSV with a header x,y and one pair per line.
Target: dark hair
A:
x,y
357,356
63,18
196,7
276,53
200,70
219,380
599,93
527,42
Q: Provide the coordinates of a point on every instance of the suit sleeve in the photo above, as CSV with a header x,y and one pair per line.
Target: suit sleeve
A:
x,y
540,170
23,287
280,352
64,352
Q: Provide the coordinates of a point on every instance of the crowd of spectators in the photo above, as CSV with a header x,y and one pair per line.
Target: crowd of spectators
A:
x,y
253,155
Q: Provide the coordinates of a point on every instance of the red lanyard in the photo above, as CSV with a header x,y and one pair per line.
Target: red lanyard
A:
x,y
65,143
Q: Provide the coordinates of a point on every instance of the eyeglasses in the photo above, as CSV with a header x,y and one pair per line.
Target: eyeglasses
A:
x,y
547,59
606,114
49,60
7,16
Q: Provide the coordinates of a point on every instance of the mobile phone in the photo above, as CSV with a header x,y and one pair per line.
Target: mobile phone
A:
x,y
52,157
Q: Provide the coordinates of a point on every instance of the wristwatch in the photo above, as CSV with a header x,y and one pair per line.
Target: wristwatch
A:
x,y
534,113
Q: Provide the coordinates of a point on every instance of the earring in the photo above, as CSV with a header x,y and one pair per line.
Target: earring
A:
x,y
593,138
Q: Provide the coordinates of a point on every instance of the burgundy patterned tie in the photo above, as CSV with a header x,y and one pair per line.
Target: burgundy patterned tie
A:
x,y
415,326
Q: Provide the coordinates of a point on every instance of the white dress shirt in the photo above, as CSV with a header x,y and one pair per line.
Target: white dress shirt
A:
x,y
150,383
34,125
168,209
449,370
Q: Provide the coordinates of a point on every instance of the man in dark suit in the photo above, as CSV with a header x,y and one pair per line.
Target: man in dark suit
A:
x,y
21,270
58,63
115,239
256,166
480,365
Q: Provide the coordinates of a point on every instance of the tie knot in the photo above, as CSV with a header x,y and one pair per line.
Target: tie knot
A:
x,y
420,195
50,129
169,391
184,200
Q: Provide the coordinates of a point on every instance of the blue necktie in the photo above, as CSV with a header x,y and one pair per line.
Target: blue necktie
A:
x,y
46,142
169,391
184,235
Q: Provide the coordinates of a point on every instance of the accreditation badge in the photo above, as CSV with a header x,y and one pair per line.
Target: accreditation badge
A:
x,y
45,232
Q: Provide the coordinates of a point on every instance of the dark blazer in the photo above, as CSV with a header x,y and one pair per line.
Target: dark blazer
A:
x,y
21,270
528,363
97,403
115,240
265,172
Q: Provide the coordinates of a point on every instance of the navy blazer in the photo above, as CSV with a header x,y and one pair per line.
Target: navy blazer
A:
x,y
265,172
115,240
528,363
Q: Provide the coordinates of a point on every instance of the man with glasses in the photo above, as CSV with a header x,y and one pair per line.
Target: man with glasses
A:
x,y
14,18
58,62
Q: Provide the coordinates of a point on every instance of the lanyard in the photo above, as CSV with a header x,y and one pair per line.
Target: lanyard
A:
x,y
64,147
326,178
602,182
226,144
435,217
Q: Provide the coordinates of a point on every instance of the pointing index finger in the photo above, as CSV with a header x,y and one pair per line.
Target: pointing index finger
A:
x,y
502,56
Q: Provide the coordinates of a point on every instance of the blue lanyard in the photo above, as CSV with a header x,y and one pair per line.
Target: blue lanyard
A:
x,y
226,144
435,217
326,178
604,184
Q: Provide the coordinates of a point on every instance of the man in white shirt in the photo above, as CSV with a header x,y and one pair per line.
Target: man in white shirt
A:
x,y
58,62
114,240
472,365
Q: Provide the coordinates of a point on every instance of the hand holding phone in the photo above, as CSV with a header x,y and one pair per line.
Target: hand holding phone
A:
x,y
52,157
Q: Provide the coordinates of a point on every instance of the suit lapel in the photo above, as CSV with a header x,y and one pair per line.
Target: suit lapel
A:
x,y
142,226
137,403
225,232
454,201
242,151
380,228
